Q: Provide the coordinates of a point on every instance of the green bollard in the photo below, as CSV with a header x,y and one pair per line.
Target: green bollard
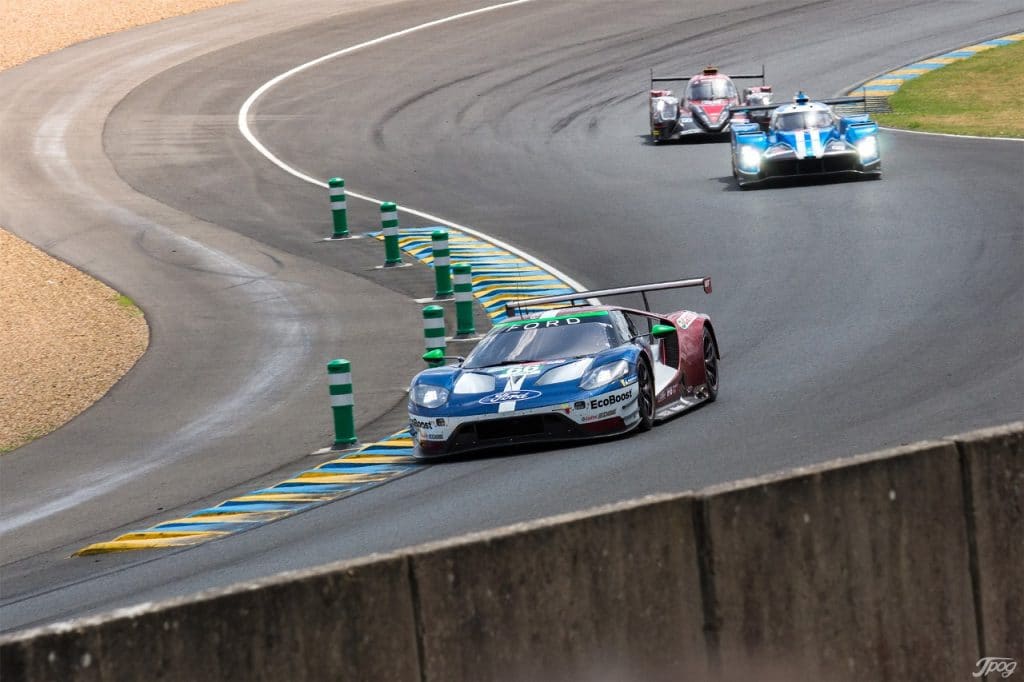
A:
x,y
464,299
389,225
442,264
336,186
339,377
433,331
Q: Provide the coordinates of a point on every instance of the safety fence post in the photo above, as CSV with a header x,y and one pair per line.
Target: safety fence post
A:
x,y
433,329
389,225
463,273
442,264
339,212
339,377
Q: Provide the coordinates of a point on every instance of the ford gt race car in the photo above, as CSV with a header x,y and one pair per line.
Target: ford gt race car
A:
x,y
574,372
705,106
803,138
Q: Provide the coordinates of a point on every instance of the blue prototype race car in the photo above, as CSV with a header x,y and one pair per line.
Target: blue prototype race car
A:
x,y
565,373
804,138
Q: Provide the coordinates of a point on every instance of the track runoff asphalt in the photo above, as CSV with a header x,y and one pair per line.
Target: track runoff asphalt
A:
x,y
852,315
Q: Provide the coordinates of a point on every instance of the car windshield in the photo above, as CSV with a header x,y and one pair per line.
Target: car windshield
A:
x,y
711,89
535,340
798,120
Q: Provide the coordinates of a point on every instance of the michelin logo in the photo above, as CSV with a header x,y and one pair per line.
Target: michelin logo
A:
x,y
612,399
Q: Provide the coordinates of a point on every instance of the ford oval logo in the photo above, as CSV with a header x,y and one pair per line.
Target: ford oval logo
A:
x,y
509,396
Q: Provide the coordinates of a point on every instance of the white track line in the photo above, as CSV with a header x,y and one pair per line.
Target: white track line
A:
x,y
243,126
965,137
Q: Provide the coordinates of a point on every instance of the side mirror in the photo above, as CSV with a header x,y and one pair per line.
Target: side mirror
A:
x,y
436,357
660,331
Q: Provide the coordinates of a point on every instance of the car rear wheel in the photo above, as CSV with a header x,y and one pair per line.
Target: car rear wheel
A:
x,y
710,365
645,397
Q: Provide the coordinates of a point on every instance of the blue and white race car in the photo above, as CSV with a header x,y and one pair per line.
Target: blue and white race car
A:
x,y
804,138
566,373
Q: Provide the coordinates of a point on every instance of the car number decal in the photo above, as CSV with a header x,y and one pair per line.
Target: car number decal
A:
x,y
521,371
686,319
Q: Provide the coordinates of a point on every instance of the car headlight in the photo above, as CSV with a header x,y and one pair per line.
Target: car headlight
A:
x,y
604,374
474,382
868,148
666,110
750,158
426,395
569,372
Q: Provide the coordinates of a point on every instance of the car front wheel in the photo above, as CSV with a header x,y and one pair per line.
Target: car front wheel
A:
x,y
645,397
710,366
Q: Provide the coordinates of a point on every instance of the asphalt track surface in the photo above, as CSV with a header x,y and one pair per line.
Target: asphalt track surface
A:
x,y
852,315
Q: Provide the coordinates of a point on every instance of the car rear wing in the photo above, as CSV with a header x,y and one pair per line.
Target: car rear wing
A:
x,y
707,71
517,308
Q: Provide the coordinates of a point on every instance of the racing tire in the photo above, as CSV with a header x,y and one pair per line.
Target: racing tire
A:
x,y
710,366
645,396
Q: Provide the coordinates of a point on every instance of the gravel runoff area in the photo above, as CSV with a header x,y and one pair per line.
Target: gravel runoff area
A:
x,y
66,337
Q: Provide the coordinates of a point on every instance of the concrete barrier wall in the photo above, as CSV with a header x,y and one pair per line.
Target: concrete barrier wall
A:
x,y
852,571
348,622
608,596
904,564
994,481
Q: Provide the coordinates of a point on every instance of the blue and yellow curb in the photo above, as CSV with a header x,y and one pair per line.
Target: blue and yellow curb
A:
x,y
499,276
887,84
366,467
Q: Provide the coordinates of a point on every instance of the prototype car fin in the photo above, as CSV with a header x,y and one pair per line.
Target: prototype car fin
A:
x,y
708,70
775,105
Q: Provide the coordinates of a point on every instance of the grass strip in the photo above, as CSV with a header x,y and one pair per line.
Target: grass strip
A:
x,y
982,95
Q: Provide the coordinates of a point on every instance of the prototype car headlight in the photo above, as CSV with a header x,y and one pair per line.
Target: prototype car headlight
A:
x,y
426,395
868,148
604,374
570,372
666,110
750,158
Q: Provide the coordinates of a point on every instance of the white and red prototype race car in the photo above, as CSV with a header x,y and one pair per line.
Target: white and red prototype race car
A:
x,y
704,107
